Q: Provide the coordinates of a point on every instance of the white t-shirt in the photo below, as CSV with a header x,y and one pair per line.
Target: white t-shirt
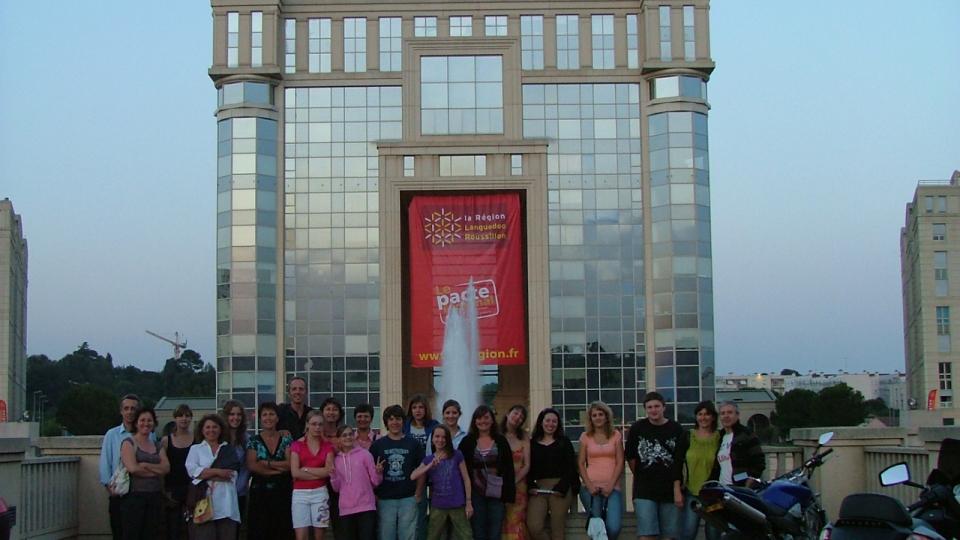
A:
x,y
723,457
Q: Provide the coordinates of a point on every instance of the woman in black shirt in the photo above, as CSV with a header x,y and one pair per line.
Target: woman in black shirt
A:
x,y
553,477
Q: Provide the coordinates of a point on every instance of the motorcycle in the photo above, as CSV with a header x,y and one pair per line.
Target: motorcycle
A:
x,y
785,508
880,517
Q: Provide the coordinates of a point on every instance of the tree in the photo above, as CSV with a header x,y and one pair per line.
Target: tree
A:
x,y
837,405
793,410
87,409
876,407
189,376
840,405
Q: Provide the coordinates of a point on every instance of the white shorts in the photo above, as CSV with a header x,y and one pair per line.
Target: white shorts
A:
x,y
311,508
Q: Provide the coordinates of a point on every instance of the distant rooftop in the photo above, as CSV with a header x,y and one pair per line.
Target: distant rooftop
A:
x,y
746,395
199,403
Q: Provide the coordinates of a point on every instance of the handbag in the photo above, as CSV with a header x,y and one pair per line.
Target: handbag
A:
x,y
120,481
203,510
494,484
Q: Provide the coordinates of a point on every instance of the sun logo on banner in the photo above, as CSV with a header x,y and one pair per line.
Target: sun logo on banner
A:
x,y
442,227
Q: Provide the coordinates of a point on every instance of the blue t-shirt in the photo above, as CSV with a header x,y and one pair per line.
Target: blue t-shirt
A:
x,y
446,482
400,459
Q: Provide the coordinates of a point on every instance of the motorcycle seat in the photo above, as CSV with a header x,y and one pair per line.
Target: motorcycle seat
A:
x,y
874,507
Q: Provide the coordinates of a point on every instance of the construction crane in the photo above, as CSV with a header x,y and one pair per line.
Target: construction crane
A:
x,y
177,346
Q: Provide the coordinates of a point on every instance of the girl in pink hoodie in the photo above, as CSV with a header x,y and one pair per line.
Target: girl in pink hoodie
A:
x,y
354,477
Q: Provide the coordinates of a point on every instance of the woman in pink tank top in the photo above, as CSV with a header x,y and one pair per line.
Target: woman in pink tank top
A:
x,y
601,464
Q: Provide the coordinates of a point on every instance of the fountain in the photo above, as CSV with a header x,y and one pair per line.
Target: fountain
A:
x,y
460,370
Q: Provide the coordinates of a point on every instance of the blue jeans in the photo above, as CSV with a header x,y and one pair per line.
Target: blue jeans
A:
x,y
690,522
594,506
422,516
487,520
398,518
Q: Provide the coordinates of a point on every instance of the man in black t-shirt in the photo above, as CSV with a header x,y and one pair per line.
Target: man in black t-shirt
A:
x,y
656,448
293,414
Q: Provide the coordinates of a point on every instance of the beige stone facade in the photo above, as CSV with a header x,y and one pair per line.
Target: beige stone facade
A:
x,y
930,257
13,313
322,131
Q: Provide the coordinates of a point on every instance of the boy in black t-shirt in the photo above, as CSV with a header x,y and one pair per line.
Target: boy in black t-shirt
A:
x,y
655,451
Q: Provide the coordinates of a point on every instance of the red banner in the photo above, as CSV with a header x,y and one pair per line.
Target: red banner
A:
x,y
454,238
932,400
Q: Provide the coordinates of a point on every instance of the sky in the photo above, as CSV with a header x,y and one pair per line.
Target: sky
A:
x,y
822,121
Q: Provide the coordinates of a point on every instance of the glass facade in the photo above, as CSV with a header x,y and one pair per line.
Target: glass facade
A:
x,y
331,251
682,259
461,95
597,307
246,259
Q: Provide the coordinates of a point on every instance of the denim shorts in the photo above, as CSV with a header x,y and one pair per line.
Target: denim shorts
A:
x,y
657,518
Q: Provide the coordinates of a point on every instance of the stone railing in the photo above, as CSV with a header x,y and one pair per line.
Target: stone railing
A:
x,y
48,497
879,458
781,459
91,507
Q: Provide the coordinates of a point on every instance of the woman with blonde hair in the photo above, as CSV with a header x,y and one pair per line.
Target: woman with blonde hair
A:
x,y
601,463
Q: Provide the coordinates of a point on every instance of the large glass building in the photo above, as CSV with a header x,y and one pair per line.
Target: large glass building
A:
x,y
333,116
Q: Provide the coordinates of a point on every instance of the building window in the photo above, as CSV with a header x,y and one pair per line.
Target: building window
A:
x,y
633,42
516,164
531,42
245,92
940,272
425,26
666,52
354,44
390,44
461,26
463,165
568,42
408,166
256,39
290,46
941,204
602,34
939,231
461,95
496,25
945,380
689,35
318,52
678,86
233,39
943,328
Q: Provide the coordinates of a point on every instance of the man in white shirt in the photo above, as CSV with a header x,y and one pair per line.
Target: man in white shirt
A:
x,y
110,456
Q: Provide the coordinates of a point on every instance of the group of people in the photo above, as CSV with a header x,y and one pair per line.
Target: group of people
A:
x,y
307,471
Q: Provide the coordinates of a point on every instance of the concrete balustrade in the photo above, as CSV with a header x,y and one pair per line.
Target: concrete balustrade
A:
x,y
54,481
91,507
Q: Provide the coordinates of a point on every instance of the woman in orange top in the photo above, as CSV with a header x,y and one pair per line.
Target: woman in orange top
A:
x,y
601,464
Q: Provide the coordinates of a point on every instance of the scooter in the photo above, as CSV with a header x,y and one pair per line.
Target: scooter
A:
x,y
785,508
880,517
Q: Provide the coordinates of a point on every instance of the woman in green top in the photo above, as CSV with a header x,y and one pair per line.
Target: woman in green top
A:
x,y
701,455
